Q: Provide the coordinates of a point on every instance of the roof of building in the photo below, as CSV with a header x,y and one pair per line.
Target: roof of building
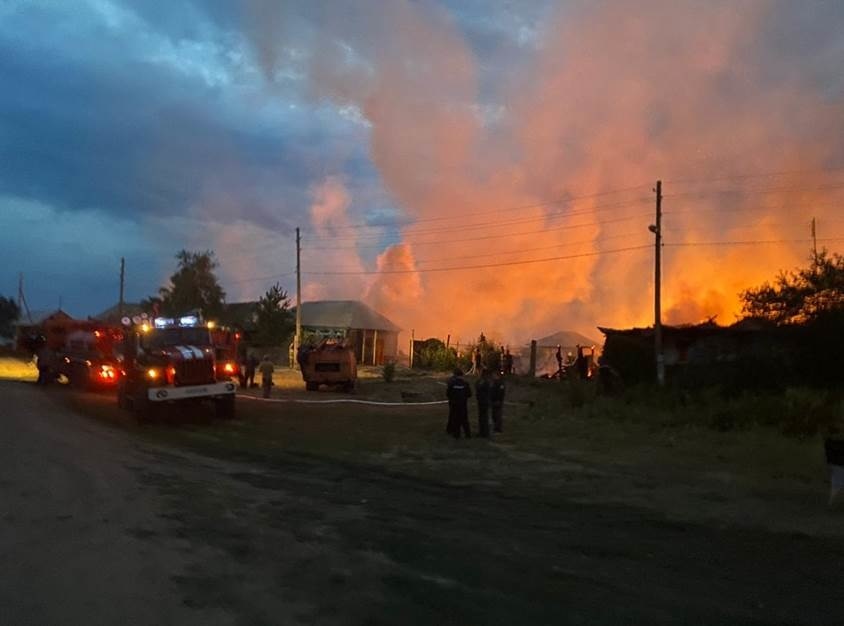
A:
x,y
112,313
566,338
747,325
40,316
344,314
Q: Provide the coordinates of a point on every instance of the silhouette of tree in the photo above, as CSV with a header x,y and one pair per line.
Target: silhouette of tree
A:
x,y
800,295
193,287
275,322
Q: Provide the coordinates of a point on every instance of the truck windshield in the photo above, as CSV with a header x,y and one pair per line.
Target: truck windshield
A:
x,y
163,337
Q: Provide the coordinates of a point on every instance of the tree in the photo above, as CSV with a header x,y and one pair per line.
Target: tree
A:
x,y
9,313
193,287
801,295
275,322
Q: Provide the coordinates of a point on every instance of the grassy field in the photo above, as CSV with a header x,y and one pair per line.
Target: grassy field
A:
x,y
647,454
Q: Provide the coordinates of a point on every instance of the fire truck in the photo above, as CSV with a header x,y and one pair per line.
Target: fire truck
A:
x,y
88,357
171,361
330,363
81,352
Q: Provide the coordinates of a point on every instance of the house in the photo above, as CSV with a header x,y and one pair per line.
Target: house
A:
x,y
703,353
113,315
373,337
53,325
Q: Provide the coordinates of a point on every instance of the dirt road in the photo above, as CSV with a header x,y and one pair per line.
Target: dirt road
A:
x,y
102,523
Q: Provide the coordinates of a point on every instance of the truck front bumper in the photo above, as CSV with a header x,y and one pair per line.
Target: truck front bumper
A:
x,y
213,390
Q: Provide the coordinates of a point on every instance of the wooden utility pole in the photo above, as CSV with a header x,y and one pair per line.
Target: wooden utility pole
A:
x,y
297,339
122,276
656,229
412,339
814,240
22,304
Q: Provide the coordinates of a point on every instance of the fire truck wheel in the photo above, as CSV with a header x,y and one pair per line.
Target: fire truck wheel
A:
x,y
311,386
224,408
143,408
122,400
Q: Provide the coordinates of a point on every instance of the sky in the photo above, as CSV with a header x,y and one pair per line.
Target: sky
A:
x,y
460,165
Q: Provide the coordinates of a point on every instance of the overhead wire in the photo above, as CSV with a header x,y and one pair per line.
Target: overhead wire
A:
x,y
522,207
488,237
750,242
487,224
478,266
677,181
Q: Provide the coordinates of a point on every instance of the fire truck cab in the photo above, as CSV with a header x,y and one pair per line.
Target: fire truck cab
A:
x,y
171,360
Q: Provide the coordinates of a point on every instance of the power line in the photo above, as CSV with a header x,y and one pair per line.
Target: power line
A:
x,y
482,266
487,237
487,224
748,242
537,249
757,175
750,191
256,279
512,208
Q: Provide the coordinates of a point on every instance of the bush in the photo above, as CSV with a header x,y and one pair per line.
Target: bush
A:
x,y
808,412
432,354
389,372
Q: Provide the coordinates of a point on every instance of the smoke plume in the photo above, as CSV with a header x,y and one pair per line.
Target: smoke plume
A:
x,y
491,174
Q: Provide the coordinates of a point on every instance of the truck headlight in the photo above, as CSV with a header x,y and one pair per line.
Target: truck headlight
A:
x,y
153,373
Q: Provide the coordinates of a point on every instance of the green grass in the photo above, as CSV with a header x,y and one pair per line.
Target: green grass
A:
x,y
651,451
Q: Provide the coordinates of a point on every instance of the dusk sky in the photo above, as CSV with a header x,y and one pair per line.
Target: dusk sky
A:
x,y
136,129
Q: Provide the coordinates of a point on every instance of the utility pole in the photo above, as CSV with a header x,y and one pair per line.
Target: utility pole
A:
x,y
656,229
120,301
298,337
22,304
412,343
814,240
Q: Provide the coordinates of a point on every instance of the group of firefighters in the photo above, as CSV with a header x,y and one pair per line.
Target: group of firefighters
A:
x,y
248,367
490,390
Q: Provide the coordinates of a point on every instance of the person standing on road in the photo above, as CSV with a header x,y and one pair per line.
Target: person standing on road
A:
x,y
496,399
266,368
251,365
458,393
45,365
482,387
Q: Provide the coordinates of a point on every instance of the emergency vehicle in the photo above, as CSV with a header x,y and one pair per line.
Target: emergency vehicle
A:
x,y
171,361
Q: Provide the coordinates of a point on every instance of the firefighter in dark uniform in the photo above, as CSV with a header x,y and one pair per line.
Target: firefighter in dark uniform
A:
x,y
496,397
458,393
482,387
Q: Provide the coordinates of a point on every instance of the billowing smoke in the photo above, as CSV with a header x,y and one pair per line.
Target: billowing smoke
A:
x,y
492,174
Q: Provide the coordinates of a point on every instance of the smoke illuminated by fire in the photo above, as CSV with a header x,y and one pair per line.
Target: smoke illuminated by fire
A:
x,y
613,98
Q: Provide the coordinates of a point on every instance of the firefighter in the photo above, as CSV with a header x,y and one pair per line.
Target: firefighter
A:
x,y
251,365
46,373
496,397
508,362
266,368
458,393
482,387
559,356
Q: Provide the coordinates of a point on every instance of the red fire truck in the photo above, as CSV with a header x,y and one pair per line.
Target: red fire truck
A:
x,y
171,361
82,352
